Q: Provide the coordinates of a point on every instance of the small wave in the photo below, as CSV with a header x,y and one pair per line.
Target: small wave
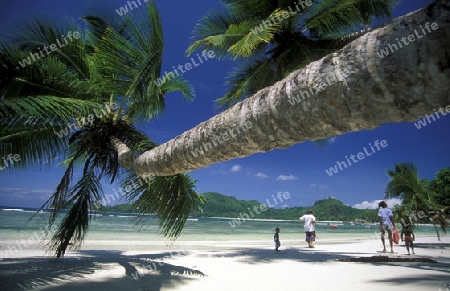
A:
x,y
13,209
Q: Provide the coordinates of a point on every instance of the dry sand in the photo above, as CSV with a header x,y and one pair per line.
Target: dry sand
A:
x,y
233,265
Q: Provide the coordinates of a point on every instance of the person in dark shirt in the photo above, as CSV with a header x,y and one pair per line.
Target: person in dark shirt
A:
x,y
276,238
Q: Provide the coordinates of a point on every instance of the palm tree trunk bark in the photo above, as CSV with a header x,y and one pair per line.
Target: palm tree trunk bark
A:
x,y
350,90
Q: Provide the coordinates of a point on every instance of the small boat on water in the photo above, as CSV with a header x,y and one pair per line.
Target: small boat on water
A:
x,y
333,226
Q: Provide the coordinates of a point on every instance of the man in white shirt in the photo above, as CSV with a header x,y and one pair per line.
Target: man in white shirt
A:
x,y
310,228
386,224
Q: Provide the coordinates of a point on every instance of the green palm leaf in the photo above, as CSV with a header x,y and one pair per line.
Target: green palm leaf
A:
x,y
330,17
34,35
113,61
172,199
247,78
132,60
405,183
75,224
374,8
212,32
289,33
178,83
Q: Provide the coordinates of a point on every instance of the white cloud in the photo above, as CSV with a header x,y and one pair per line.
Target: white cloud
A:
x,y
45,191
286,178
10,189
261,175
374,204
332,139
235,168
320,186
26,197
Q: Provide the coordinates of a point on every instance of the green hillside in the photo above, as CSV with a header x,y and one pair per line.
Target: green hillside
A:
x,y
333,209
219,205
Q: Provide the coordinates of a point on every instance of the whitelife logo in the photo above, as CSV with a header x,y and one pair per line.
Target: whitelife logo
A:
x,y
284,15
11,158
53,47
259,209
186,67
360,156
422,122
412,37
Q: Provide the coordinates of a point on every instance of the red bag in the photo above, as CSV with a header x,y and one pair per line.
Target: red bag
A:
x,y
395,236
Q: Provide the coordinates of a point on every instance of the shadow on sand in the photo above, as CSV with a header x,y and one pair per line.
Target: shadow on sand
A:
x,y
304,254
121,272
43,273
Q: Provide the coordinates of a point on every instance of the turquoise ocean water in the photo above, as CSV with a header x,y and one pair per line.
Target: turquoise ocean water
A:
x,y
15,225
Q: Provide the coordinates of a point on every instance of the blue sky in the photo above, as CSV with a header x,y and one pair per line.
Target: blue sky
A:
x,y
299,170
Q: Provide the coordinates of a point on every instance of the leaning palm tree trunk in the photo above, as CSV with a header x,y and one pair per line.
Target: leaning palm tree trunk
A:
x,y
352,89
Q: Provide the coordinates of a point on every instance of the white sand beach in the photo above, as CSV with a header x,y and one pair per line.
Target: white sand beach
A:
x,y
229,265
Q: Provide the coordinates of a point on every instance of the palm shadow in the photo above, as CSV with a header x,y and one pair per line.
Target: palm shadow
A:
x,y
144,272
428,281
262,255
304,254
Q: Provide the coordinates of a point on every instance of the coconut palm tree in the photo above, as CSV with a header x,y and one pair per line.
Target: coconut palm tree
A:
x,y
367,91
440,185
406,184
54,104
417,197
271,39
441,218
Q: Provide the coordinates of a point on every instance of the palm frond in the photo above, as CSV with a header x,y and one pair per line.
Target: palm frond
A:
x,y
110,61
368,9
172,199
178,83
131,60
60,198
75,224
405,183
37,128
35,34
247,79
332,16
48,109
94,141
37,146
89,146
212,32
402,167
21,76
259,9
441,218
252,37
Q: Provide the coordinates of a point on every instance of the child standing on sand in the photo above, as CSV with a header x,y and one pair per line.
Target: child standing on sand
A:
x,y
409,238
276,238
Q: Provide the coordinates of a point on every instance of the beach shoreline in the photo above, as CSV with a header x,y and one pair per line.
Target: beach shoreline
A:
x,y
228,265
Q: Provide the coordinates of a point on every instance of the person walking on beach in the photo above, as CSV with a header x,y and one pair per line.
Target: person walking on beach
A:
x,y
409,238
276,238
310,227
386,224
